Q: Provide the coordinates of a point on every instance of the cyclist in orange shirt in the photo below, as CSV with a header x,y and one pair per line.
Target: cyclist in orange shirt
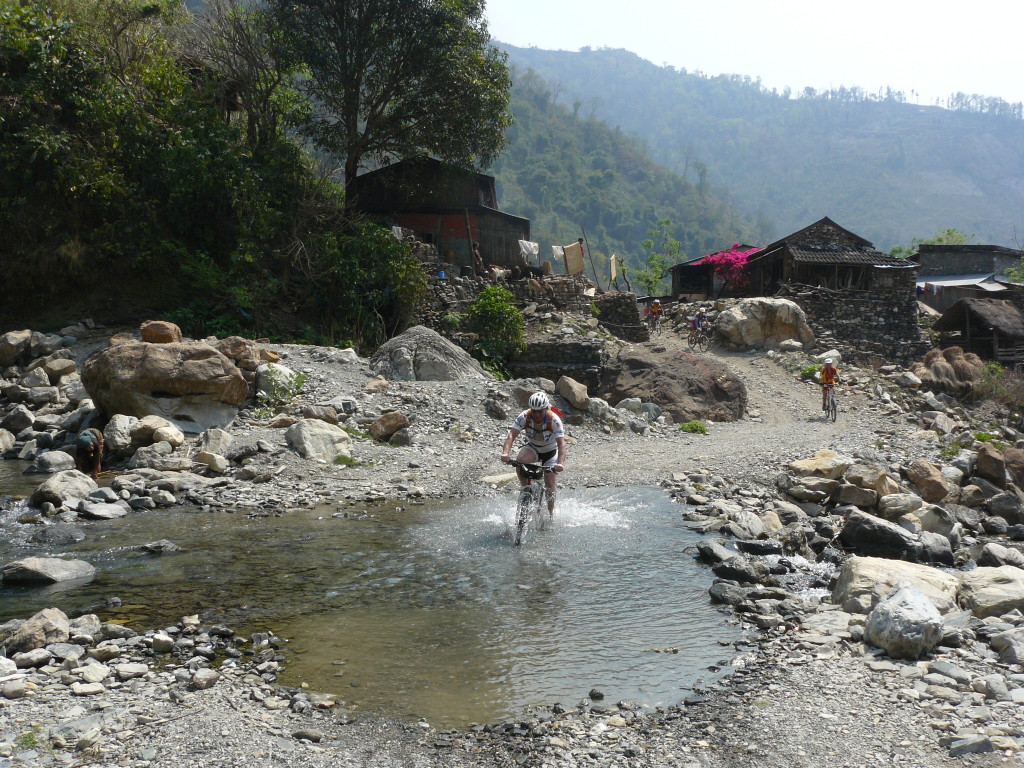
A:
x,y
829,376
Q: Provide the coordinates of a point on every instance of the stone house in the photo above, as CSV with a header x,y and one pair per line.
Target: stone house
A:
x,y
854,295
826,255
444,205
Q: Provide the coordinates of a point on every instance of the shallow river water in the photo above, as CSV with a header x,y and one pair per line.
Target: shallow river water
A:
x,y
424,611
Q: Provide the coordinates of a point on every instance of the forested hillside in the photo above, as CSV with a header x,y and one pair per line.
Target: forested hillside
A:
x,y
570,174
880,166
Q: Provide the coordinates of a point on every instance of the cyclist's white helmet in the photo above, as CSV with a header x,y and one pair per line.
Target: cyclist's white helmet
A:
x,y
828,361
539,401
657,301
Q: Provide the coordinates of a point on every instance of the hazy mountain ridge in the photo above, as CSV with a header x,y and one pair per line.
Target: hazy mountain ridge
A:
x,y
573,175
886,169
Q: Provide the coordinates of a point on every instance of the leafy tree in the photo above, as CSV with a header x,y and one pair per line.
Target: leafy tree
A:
x,y
663,251
947,236
399,78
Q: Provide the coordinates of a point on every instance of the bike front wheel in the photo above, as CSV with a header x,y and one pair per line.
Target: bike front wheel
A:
x,y
524,509
833,410
703,342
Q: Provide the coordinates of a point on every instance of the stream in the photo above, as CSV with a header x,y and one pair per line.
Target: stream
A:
x,y
417,612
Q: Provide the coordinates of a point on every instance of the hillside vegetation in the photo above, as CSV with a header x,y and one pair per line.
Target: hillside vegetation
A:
x,y
572,174
887,169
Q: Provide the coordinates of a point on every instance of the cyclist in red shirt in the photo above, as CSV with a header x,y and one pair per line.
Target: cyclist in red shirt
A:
x,y
829,376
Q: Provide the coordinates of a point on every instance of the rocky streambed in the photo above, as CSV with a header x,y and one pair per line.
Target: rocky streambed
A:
x,y
815,687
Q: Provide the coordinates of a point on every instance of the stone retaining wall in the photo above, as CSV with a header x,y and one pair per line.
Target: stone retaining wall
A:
x,y
619,315
453,293
880,324
579,358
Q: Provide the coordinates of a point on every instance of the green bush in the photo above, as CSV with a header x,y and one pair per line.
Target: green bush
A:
x,y
808,372
695,427
499,328
281,391
451,322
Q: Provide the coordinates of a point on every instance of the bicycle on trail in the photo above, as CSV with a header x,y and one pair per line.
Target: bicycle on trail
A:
x,y
531,511
699,340
830,408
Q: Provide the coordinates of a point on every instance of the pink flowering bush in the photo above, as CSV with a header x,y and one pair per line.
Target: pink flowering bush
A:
x,y
730,265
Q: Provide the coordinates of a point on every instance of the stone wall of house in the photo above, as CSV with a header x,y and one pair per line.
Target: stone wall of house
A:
x,y
577,357
964,260
865,326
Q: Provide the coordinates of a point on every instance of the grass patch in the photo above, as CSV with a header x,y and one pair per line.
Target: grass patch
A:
x,y
28,740
345,461
694,427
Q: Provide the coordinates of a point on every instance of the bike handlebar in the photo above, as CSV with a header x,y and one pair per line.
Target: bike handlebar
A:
x,y
530,467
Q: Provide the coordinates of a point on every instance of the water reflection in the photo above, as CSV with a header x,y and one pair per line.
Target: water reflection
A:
x,y
425,611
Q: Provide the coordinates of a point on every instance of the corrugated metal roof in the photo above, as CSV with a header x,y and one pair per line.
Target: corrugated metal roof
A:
x,y
955,280
839,255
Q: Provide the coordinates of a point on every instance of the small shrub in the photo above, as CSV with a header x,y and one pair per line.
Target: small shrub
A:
x,y
808,372
28,740
499,327
595,311
345,461
695,427
282,391
451,322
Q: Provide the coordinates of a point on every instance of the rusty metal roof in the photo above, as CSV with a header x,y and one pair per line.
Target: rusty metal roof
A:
x,y
825,254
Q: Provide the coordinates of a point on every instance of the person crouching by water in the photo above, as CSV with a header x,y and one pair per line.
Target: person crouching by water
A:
x,y
545,442
88,451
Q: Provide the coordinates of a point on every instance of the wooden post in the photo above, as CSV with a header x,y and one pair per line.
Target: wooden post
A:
x,y
469,238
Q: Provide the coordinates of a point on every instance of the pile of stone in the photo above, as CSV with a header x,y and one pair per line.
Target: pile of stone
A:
x,y
857,557
96,675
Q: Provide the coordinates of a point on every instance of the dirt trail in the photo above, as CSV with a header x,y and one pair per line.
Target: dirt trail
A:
x,y
784,423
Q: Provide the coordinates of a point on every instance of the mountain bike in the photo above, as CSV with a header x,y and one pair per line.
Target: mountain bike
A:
x,y
831,409
531,506
654,324
698,339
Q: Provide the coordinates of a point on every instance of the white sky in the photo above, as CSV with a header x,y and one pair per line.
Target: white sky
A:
x,y
935,48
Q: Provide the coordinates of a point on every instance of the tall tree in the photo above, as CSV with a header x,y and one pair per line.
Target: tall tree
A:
x,y
399,78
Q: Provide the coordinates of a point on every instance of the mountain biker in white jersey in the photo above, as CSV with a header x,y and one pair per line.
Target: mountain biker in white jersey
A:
x,y
545,442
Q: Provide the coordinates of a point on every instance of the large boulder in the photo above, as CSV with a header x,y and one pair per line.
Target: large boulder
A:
x,y
45,570
573,392
160,332
12,345
190,384
421,354
929,480
58,488
765,322
865,580
387,424
50,625
905,624
315,439
825,463
869,535
991,465
996,555
244,353
988,591
686,387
